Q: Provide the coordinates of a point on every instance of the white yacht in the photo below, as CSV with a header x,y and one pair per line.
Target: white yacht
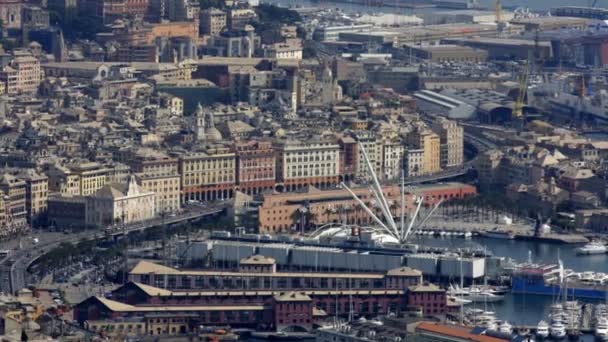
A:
x,y
476,294
505,328
557,330
591,248
601,329
542,330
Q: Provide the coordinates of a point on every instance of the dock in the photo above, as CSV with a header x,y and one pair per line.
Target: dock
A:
x,y
555,238
518,231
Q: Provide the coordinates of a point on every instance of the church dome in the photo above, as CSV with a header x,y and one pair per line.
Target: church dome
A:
x,y
213,134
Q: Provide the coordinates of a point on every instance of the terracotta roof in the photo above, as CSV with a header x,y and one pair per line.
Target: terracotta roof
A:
x,y
462,333
115,306
158,292
146,267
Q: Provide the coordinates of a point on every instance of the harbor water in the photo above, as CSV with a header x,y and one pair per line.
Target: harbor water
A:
x,y
538,5
524,309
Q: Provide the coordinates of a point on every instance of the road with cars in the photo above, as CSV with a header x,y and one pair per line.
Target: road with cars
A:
x,y
20,252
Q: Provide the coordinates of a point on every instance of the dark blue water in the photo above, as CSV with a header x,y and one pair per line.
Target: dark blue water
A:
x,y
525,309
547,253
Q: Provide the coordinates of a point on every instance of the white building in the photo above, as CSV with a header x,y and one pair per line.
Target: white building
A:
x,y
120,203
308,163
414,162
290,49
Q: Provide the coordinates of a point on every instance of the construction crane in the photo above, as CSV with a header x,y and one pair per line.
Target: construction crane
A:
x,y
500,23
518,107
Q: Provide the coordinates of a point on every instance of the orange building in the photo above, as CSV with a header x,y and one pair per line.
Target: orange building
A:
x,y
280,212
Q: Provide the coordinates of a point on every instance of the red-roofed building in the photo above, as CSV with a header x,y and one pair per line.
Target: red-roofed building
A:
x,y
438,331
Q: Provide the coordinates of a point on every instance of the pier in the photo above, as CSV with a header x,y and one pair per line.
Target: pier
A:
x,y
513,231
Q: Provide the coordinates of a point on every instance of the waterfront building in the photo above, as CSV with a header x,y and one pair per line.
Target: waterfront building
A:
x,y
301,164
120,204
166,188
160,276
256,166
280,212
209,175
429,297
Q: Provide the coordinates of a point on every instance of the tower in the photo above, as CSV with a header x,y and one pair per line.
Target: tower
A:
x,y
199,123
210,120
328,85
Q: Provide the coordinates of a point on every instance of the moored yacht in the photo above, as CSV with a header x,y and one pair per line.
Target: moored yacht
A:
x,y
505,328
601,329
557,330
591,248
542,330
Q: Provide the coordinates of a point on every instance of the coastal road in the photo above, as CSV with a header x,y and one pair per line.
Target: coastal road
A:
x,y
13,268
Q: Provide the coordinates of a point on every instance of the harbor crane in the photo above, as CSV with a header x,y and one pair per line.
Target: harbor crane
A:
x,y
500,22
518,107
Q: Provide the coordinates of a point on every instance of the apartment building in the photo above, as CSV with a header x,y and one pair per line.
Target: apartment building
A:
x,y
426,140
212,21
8,78
14,192
451,136
373,149
302,163
22,74
413,161
166,189
256,166
290,49
150,162
392,159
28,72
36,195
208,175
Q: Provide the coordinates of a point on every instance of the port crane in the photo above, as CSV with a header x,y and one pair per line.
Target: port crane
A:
x,y
518,107
500,22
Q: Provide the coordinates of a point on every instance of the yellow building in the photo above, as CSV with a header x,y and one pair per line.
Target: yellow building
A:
x,y
208,175
81,179
92,176
166,188
426,140
452,142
